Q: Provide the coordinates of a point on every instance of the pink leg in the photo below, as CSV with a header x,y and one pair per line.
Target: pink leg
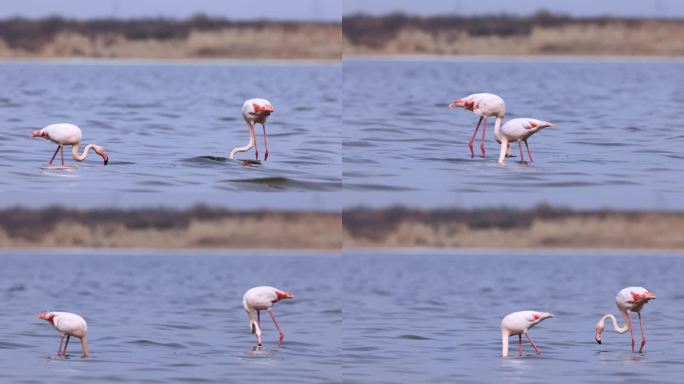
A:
x,y
65,345
533,344
62,152
643,335
522,158
59,350
520,345
282,335
528,152
265,143
631,330
482,144
472,139
54,155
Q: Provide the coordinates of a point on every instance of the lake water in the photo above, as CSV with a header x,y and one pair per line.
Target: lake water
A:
x,y
160,318
168,127
435,318
617,137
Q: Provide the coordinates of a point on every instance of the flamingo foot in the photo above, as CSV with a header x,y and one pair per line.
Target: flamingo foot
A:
x,y
522,162
266,156
472,153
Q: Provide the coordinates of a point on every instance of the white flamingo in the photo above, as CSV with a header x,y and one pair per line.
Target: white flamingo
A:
x,y
254,111
518,323
68,134
483,105
518,130
68,324
628,300
263,298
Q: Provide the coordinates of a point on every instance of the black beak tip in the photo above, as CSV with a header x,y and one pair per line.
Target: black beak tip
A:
x,y
106,161
598,341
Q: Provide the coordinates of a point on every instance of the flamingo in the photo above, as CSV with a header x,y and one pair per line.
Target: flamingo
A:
x,y
68,324
254,111
628,300
483,105
68,134
518,130
518,323
260,298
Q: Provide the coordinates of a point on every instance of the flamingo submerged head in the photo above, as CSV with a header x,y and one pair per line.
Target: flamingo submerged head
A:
x,y
628,300
254,111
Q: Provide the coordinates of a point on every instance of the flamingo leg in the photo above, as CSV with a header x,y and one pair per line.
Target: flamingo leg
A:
x,y
536,349
258,318
472,139
522,158
520,345
59,350
282,335
265,143
643,335
482,144
528,152
631,330
252,136
67,343
54,155
62,152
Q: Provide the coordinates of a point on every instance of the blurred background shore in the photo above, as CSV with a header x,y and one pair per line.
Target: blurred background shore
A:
x,y
542,33
197,37
201,227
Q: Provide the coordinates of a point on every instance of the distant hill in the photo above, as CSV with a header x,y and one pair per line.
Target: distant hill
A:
x,y
540,34
197,37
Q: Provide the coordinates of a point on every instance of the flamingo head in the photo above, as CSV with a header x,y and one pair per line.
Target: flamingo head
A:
x,y
263,109
100,151
538,317
283,295
47,316
545,124
40,133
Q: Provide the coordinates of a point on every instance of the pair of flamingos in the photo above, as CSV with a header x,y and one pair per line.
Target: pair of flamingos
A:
x,y
516,130
628,300
254,111
255,300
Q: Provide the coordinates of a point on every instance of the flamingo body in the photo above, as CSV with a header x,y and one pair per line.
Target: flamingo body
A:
x,y
484,105
263,298
628,300
69,134
517,324
68,324
518,130
254,111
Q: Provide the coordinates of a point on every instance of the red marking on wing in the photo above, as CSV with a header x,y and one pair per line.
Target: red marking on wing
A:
x,y
536,316
532,124
257,107
636,296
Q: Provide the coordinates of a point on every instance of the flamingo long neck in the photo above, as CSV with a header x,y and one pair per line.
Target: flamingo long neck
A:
x,y
616,326
84,346
247,147
497,127
82,156
504,343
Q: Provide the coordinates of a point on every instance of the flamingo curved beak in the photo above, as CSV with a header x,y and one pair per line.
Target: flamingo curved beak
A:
x,y
105,157
597,336
457,103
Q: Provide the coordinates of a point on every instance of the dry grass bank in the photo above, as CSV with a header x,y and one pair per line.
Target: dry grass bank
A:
x,y
199,227
543,227
196,38
540,34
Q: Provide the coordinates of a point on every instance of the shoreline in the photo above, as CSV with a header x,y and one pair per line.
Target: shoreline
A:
x,y
494,58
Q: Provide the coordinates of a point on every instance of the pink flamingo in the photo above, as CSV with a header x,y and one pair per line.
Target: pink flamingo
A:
x,y
518,323
483,105
258,299
254,111
628,300
68,324
68,134
518,130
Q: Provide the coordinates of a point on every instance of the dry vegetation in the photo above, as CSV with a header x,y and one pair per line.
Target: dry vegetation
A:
x,y
543,227
198,37
539,34
200,227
